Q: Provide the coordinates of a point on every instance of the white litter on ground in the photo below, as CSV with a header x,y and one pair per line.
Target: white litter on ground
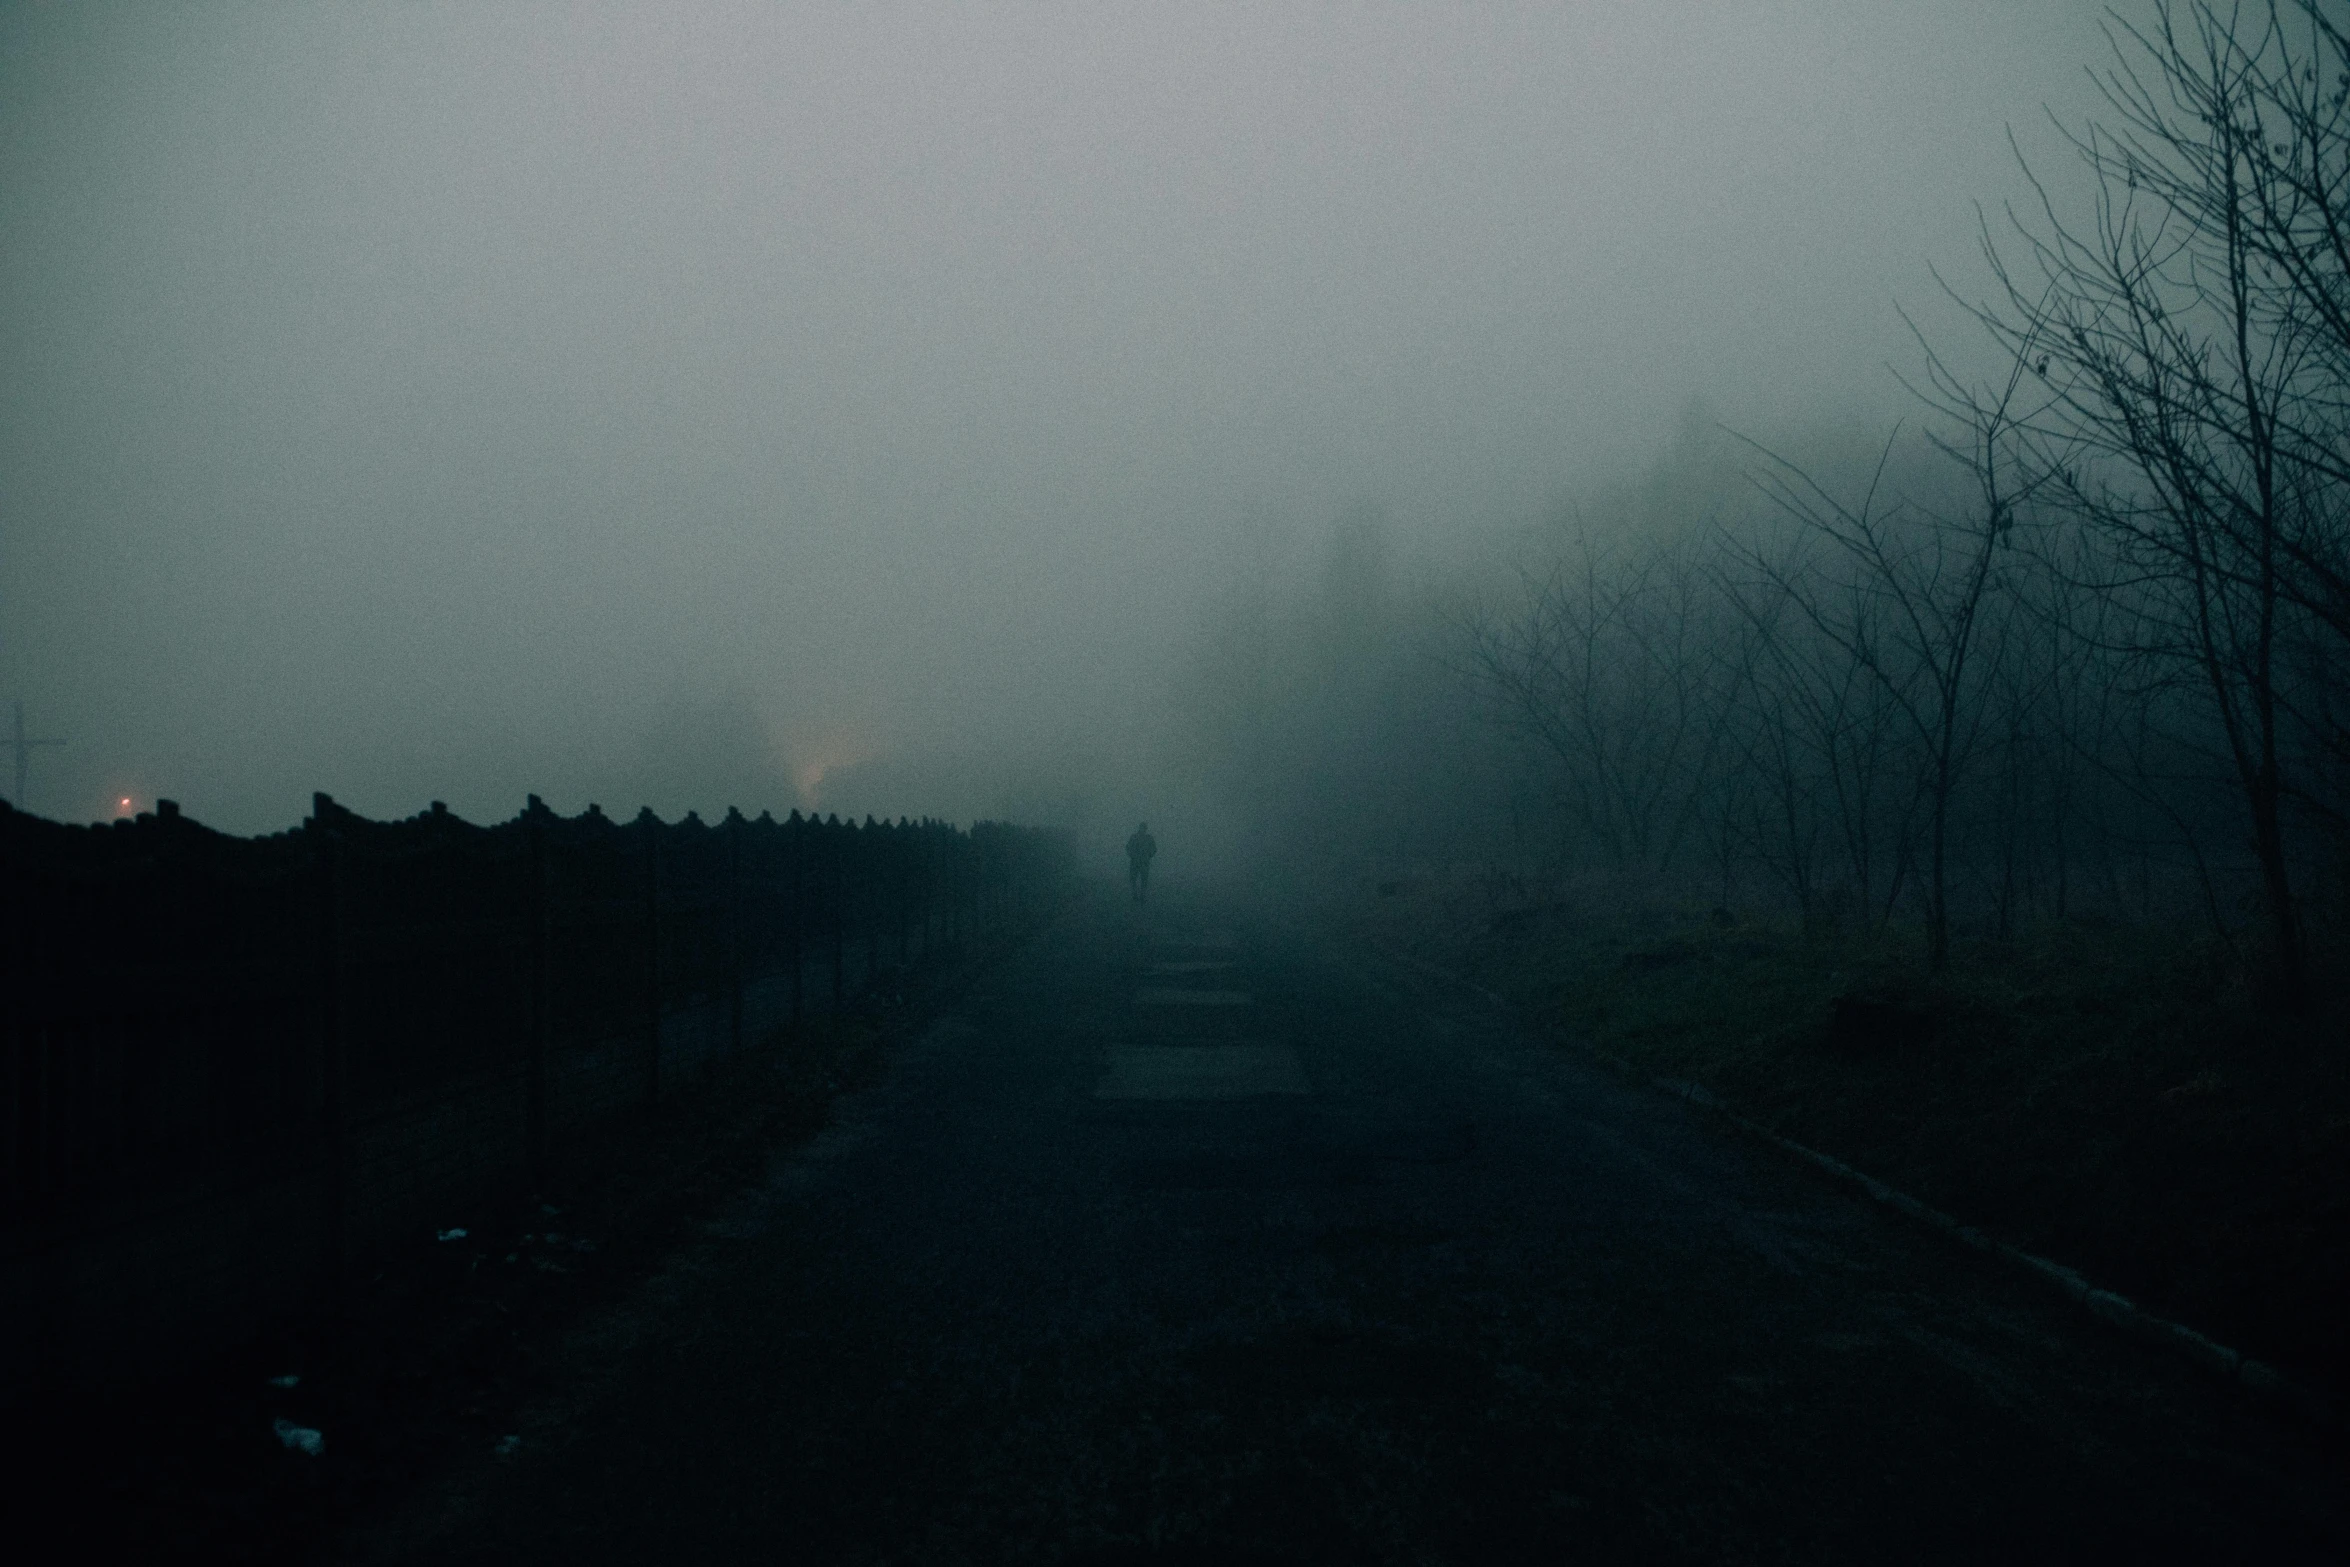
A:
x,y
301,1439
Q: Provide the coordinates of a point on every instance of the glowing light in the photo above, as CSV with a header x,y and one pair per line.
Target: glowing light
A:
x,y
834,755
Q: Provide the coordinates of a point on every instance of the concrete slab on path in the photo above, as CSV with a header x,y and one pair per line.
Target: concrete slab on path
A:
x,y
1202,1072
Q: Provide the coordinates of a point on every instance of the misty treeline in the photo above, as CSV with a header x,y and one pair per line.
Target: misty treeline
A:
x,y
2072,636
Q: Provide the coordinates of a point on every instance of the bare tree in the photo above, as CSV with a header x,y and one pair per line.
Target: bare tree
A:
x,y
1606,663
1821,744
1902,594
2193,332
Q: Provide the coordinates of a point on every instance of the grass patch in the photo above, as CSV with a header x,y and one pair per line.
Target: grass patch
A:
x,y
2107,1095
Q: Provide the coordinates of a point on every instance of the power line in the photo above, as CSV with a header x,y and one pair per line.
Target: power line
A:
x,y
23,748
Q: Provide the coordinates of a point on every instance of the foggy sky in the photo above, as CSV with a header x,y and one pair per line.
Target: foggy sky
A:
x,y
677,404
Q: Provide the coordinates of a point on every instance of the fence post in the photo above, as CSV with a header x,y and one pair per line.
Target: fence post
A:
x,y
28,958
796,836
327,875
734,930
869,873
836,866
948,926
652,831
901,881
535,1065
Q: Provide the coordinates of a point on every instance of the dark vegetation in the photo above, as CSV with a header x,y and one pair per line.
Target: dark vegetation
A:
x,y
2104,1094
1974,796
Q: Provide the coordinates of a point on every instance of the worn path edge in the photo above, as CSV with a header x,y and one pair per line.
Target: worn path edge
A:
x,y
2263,1383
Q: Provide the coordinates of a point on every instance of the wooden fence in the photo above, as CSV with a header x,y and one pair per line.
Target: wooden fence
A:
x,y
233,1071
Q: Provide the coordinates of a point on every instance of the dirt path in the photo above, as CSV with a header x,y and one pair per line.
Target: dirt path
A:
x,y
1186,1237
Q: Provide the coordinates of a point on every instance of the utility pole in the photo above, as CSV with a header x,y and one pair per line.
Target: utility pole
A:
x,y
24,756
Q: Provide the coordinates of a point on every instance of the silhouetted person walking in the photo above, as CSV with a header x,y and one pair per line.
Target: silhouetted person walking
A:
x,y
1139,850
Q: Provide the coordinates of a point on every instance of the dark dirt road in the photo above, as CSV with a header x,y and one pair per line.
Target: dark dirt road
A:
x,y
1187,1237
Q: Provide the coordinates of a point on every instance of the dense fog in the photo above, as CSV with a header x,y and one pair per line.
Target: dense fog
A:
x,y
1071,414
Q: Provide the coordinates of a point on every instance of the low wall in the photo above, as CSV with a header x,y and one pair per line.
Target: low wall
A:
x,y
344,1046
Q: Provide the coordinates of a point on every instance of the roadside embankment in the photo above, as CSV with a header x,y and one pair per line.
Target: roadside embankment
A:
x,y
2109,1096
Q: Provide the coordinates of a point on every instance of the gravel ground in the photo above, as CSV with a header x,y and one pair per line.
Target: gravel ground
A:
x,y
1187,1236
